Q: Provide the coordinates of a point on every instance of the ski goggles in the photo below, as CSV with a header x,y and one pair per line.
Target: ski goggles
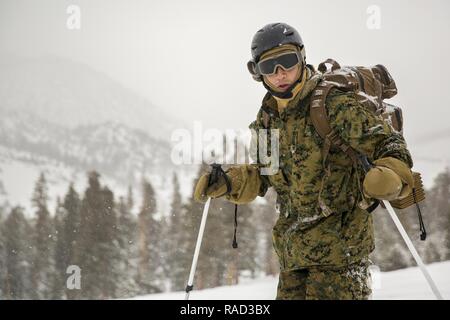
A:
x,y
285,60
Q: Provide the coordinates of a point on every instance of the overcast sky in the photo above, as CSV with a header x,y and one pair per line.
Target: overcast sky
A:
x,y
189,57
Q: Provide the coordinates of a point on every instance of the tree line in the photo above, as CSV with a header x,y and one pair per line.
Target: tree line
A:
x,y
123,249
121,252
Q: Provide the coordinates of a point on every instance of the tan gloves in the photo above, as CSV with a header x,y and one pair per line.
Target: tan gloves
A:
x,y
245,184
202,193
390,179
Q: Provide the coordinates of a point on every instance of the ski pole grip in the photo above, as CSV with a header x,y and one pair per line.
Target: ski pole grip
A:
x,y
214,175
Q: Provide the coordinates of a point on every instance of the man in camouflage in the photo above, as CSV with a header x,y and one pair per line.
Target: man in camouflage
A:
x,y
323,236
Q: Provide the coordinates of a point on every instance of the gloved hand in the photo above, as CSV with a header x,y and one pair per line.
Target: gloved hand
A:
x,y
390,179
245,185
203,192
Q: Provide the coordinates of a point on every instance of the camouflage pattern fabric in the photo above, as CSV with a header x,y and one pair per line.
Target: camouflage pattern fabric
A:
x,y
346,283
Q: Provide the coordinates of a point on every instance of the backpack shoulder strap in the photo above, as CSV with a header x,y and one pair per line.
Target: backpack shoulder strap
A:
x,y
321,123
265,117
265,112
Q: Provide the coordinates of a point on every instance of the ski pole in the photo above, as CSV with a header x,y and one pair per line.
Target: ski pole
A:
x,y
413,250
215,174
190,285
367,166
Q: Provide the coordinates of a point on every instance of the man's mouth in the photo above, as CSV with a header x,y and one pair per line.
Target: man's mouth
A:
x,y
283,86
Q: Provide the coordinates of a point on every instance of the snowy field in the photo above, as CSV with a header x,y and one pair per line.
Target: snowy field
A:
x,y
400,284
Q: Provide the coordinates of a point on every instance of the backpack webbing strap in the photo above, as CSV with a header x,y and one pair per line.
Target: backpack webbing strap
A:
x,y
321,123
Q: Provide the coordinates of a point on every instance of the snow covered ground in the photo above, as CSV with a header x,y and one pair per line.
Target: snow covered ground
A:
x,y
400,284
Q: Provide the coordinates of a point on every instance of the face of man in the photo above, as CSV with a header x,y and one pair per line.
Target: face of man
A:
x,y
283,79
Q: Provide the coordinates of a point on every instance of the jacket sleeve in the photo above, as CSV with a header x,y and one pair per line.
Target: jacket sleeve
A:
x,y
247,180
255,126
364,131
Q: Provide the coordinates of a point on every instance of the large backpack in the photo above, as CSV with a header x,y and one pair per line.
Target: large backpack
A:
x,y
371,86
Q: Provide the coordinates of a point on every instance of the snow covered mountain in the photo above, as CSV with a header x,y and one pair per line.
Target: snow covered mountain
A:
x,y
64,119
71,94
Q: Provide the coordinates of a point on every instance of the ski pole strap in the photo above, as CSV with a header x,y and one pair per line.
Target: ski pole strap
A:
x,y
235,245
423,231
373,206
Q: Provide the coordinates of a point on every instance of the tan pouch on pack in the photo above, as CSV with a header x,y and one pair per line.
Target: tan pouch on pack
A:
x,y
417,195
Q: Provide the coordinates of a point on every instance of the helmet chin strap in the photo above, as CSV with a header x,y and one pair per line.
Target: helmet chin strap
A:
x,y
288,93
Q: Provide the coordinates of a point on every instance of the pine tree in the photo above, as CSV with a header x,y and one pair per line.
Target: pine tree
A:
x,y
97,249
108,246
16,231
60,253
44,243
88,250
175,271
69,237
149,241
127,237
163,253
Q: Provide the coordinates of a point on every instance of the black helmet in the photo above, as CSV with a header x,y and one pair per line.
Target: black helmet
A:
x,y
271,36
274,35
